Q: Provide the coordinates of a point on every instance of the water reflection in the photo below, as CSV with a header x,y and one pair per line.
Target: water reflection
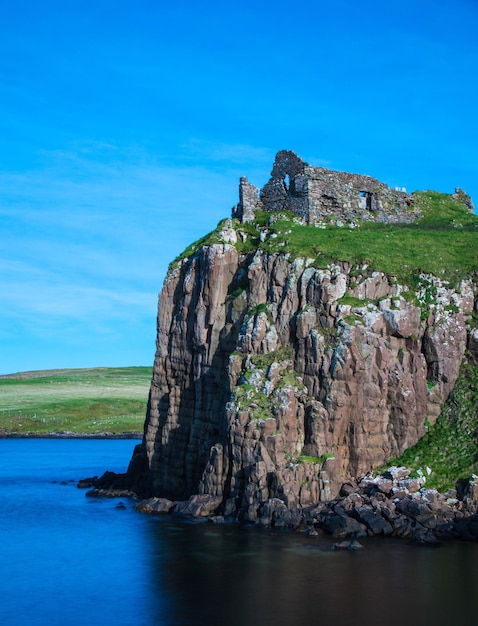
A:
x,y
70,560
228,575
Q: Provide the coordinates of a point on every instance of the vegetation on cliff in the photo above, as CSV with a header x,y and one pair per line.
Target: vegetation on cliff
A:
x,y
450,447
442,243
78,401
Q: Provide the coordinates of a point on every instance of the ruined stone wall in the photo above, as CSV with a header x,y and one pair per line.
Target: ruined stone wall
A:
x,y
320,195
350,197
248,201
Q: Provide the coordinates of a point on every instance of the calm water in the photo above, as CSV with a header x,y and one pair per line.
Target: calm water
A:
x,y
71,560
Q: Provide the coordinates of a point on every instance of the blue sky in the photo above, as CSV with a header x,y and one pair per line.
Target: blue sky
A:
x,y
124,129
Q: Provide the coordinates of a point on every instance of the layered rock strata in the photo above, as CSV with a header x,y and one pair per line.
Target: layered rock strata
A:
x,y
280,378
268,386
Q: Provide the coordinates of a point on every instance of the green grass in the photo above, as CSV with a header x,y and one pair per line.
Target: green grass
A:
x,y
450,447
442,243
316,460
262,361
80,401
352,301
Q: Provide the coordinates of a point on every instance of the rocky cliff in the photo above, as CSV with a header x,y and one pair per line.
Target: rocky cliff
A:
x,y
279,377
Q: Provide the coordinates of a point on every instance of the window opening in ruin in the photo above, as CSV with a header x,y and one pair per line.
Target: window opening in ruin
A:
x,y
286,182
365,200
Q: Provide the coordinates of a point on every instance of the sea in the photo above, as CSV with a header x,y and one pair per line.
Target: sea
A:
x,y
71,560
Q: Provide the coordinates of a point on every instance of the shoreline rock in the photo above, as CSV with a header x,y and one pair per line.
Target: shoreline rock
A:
x,y
382,506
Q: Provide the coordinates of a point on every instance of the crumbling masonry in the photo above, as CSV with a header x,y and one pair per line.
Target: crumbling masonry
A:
x,y
320,195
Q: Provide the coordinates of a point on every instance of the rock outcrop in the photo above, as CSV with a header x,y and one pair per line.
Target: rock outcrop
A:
x,y
280,391
277,381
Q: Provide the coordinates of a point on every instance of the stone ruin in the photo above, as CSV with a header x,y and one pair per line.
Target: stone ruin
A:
x,y
319,195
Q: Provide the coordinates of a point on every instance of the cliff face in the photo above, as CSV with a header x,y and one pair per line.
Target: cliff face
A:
x,y
278,378
267,386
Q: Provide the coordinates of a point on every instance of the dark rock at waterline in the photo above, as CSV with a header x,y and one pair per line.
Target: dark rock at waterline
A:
x,y
155,506
375,523
111,493
275,514
369,507
350,546
197,506
87,483
467,528
111,481
424,537
339,526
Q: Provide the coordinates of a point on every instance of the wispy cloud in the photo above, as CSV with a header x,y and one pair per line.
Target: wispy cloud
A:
x,y
87,237
31,300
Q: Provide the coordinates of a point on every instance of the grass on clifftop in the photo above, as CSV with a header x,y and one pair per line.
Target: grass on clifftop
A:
x,y
450,447
444,242
80,401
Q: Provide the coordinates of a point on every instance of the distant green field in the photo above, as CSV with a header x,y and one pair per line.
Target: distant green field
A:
x,y
79,401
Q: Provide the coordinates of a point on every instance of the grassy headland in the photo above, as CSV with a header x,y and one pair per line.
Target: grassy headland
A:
x,y
77,401
442,243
